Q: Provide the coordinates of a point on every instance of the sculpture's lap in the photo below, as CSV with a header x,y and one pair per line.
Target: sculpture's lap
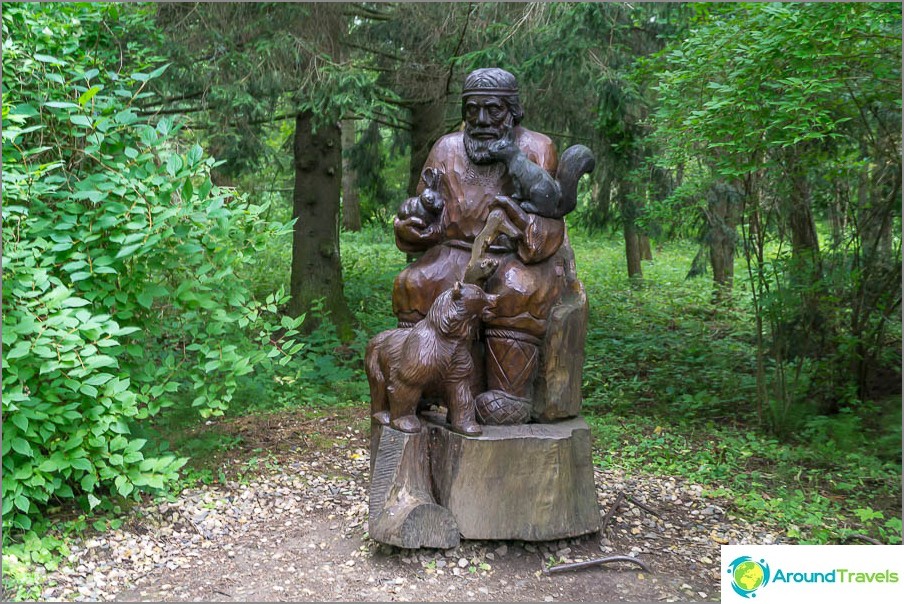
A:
x,y
527,292
417,286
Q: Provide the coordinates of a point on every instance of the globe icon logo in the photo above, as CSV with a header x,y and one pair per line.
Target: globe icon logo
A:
x,y
748,575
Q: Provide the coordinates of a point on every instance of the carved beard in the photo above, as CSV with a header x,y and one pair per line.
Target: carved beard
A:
x,y
478,150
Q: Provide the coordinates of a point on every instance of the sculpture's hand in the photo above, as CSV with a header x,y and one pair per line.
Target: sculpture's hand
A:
x,y
505,149
412,235
512,210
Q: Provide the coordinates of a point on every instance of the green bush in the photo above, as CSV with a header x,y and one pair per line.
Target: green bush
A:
x,y
120,294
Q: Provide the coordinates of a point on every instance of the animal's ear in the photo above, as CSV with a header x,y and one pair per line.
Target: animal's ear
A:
x,y
456,290
430,177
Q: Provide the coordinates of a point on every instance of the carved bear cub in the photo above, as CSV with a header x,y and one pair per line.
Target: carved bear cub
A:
x,y
435,354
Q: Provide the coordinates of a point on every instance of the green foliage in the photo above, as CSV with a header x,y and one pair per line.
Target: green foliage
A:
x,y
382,174
794,106
798,490
891,531
755,77
20,561
324,372
327,372
120,292
371,262
263,60
670,387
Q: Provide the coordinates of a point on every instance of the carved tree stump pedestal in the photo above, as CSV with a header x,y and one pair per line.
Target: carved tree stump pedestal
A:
x,y
402,510
531,482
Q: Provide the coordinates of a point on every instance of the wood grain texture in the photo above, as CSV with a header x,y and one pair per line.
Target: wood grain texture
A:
x,y
557,389
532,482
402,511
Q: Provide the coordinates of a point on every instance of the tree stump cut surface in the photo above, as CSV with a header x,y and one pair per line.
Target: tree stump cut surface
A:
x,y
402,510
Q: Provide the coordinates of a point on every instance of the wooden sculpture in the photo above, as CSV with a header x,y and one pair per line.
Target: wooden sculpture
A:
x,y
424,208
492,320
433,356
497,178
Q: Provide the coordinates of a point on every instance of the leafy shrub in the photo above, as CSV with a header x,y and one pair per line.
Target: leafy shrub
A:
x,y
120,292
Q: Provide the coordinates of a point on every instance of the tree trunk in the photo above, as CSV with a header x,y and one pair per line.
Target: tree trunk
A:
x,y
721,256
646,252
804,241
809,335
878,200
316,266
838,214
661,186
632,237
600,200
722,217
876,211
351,204
426,128
632,253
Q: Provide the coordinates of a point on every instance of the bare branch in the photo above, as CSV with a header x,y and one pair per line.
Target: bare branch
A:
x,y
381,53
173,99
461,39
172,111
366,13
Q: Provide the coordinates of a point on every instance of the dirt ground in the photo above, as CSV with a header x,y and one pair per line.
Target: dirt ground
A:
x,y
290,524
285,568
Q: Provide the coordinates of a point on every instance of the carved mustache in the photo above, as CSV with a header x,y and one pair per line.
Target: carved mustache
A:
x,y
494,132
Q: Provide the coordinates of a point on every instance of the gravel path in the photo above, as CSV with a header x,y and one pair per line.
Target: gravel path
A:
x,y
294,529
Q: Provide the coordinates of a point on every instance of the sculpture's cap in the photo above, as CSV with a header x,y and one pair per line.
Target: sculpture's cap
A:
x,y
490,81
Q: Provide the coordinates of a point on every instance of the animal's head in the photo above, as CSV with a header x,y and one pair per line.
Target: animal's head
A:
x,y
473,299
456,311
431,196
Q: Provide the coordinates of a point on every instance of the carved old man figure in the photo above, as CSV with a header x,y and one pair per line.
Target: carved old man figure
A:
x,y
493,163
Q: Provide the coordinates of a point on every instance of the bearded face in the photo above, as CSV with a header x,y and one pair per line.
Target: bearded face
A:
x,y
487,120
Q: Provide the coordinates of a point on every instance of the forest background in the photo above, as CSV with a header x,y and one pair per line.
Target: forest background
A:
x,y
197,209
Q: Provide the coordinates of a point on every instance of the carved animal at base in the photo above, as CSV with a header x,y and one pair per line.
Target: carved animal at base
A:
x,y
435,354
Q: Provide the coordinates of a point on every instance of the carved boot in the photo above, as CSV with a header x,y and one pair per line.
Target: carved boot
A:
x,y
512,359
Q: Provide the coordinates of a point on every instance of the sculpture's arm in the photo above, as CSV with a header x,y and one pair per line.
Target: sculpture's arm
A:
x,y
539,238
542,238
